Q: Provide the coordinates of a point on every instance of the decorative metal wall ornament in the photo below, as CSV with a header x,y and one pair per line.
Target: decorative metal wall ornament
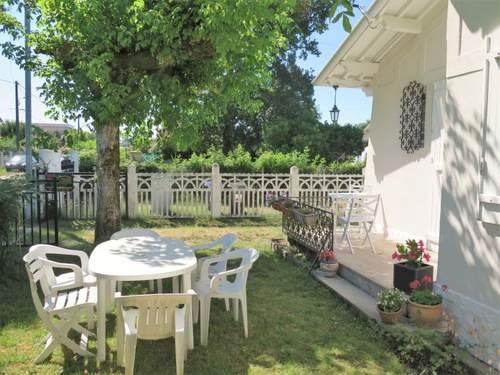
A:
x,y
412,117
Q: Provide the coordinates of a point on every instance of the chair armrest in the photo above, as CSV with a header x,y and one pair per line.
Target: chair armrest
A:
x,y
223,275
206,246
78,281
180,317
84,258
206,262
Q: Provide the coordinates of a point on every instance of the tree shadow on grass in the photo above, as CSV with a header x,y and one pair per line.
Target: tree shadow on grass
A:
x,y
296,326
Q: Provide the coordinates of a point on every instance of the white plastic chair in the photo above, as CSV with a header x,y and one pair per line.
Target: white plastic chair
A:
x,y
226,242
152,317
60,311
361,210
67,279
218,286
137,232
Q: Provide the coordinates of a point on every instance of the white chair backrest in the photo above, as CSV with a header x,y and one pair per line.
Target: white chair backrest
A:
x,y
226,242
248,257
156,313
365,206
37,275
42,250
134,232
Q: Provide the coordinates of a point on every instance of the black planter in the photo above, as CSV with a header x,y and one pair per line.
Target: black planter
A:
x,y
404,274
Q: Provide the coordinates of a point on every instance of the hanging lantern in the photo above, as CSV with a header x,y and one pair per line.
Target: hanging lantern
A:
x,y
335,111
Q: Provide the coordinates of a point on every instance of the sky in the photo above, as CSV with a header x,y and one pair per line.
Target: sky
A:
x,y
354,105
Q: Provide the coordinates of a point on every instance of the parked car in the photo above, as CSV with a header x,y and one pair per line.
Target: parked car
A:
x,y
18,163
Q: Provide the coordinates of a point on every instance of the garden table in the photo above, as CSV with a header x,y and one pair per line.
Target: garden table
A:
x,y
137,259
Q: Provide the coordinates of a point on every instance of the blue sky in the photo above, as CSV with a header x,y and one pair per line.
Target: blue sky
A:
x,y
354,105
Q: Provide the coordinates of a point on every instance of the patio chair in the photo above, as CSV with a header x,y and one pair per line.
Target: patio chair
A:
x,y
137,232
60,311
219,286
65,280
362,211
226,242
152,317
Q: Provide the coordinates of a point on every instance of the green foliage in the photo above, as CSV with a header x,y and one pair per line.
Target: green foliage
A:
x,y
42,139
7,143
10,192
87,160
78,140
241,161
390,300
427,351
426,297
347,167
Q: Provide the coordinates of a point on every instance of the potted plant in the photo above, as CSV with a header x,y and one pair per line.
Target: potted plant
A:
x,y
328,263
413,267
287,207
390,304
425,306
306,216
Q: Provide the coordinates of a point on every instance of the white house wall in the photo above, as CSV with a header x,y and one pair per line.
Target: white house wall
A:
x,y
405,180
469,258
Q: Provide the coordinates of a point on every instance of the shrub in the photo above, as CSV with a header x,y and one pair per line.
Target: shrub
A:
x,y
87,160
390,300
425,350
10,192
347,167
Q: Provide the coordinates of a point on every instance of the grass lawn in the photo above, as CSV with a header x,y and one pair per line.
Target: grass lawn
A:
x,y
296,325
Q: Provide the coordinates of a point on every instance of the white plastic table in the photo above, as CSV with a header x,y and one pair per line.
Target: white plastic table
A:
x,y
137,259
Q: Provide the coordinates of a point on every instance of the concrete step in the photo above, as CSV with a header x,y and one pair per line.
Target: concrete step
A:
x,y
353,295
369,286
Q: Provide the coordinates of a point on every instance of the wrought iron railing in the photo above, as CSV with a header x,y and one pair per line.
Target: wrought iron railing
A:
x,y
314,238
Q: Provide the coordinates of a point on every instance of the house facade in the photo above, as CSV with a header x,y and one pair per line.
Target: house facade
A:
x,y
446,190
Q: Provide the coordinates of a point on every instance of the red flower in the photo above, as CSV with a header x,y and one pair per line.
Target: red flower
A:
x,y
421,245
400,257
414,284
395,255
427,257
412,256
444,288
426,280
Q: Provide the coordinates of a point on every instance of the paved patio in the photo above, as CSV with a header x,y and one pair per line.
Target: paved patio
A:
x,y
378,267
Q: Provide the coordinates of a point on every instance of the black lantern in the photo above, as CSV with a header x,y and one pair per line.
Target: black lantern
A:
x,y
334,112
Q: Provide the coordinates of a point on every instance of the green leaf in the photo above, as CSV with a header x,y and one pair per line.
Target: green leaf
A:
x,y
346,23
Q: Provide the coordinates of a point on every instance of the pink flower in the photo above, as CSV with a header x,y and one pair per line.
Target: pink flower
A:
x,y
414,284
400,257
412,256
444,288
426,280
427,257
421,245
395,255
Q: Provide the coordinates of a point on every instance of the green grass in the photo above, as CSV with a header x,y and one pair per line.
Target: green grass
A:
x,y
296,325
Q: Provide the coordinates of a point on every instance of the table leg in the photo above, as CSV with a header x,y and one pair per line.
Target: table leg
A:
x,y
101,319
110,298
187,285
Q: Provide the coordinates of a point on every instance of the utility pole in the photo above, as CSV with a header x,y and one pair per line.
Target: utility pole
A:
x,y
16,85
27,83
78,131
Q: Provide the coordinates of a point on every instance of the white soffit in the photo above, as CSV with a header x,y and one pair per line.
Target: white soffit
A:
x,y
357,60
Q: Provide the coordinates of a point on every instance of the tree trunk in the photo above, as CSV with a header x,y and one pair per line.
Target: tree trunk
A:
x,y
108,181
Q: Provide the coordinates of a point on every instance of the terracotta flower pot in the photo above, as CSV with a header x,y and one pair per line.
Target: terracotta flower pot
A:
x,y
424,314
390,317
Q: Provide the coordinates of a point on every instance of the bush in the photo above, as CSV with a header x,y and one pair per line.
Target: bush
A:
x,y
347,167
425,350
10,192
87,160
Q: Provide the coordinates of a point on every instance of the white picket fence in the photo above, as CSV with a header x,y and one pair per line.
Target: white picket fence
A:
x,y
187,195
215,194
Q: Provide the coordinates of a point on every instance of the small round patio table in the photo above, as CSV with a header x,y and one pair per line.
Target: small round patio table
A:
x,y
137,259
